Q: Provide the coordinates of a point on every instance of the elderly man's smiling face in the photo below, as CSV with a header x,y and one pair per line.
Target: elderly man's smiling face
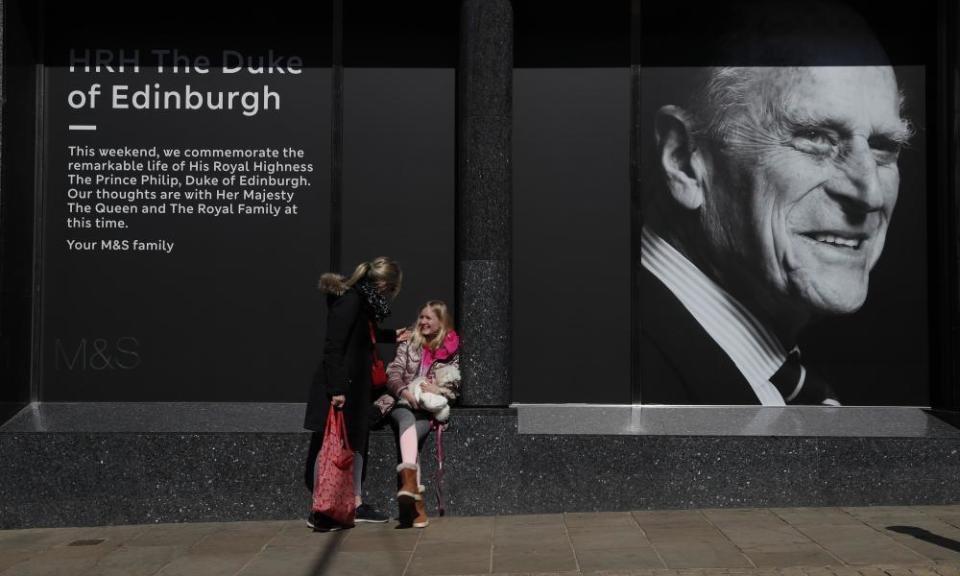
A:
x,y
799,192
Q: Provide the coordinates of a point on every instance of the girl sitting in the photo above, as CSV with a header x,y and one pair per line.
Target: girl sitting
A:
x,y
428,362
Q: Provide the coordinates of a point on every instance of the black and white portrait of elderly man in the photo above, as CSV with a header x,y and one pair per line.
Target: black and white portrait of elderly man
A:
x,y
776,187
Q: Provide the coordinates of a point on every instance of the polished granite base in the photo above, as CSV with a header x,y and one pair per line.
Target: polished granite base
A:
x,y
97,464
806,421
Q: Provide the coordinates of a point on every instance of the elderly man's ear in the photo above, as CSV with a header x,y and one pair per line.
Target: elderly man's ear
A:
x,y
682,161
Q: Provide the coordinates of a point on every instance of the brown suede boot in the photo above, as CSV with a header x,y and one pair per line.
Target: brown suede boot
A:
x,y
421,520
408,495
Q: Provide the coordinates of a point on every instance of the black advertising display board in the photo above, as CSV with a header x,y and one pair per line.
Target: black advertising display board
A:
x,y
787,170
186,181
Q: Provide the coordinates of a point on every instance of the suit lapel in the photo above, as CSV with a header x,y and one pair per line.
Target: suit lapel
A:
x,y
708,375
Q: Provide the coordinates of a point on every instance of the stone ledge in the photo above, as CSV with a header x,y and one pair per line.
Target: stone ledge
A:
x,y
800,421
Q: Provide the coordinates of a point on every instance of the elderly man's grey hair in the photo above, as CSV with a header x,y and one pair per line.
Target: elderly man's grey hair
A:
x,y
728,105
719,98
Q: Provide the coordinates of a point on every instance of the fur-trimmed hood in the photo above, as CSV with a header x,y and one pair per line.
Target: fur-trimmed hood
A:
x,y
377,305
332,283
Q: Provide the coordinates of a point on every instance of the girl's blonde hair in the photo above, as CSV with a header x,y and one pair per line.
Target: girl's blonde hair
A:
x,y
439,308
380,269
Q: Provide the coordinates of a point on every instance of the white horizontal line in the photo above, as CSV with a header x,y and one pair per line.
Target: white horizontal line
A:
x,y
83,127
794,407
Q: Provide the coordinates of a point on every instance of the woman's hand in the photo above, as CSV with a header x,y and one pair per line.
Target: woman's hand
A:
x,y
409,397
338,401
403,334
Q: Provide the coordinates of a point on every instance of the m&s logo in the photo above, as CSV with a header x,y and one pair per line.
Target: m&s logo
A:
x,y
97,354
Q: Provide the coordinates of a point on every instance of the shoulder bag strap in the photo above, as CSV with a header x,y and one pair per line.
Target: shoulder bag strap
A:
x,y
373,340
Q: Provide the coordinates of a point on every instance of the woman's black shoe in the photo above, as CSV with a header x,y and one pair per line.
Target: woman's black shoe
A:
x,y
367,513
321,523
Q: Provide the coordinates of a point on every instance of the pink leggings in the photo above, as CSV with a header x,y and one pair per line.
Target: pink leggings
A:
x,y
411,430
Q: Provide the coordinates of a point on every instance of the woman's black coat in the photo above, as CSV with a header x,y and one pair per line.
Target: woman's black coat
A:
x,y
345,369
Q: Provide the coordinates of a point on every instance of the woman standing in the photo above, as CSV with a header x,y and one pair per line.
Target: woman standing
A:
x,y
434,344
356,307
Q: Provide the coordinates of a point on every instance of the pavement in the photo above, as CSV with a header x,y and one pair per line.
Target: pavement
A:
x,y
876,541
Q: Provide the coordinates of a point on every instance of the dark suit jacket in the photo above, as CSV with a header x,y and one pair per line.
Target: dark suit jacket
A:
x,y
681,364
345,369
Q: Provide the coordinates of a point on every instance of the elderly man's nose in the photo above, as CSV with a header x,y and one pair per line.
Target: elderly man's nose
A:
x,y
857,185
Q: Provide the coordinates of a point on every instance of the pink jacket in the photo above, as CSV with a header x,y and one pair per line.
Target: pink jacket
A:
x,y
405,367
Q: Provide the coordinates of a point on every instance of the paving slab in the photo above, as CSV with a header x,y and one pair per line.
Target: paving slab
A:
x,y
547,534
114,534
453,531
738,515
862,545
135,561
607,538
392,563
440,559
285,561
928,537
701,555
529,519
844,571
633,558
39,566
871,571
887,512
599,519
762,535
802,554
381,540
816,516
37,538
533,546
533,560
923,571
298,534
212,564
898,571
561,573
691,535
10,557
63,559
174,534
240,537
672,518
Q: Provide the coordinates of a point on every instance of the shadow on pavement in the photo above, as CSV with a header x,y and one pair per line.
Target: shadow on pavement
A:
x,y
329,551
927,536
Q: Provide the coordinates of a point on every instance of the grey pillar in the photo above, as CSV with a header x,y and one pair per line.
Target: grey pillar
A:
x,y
484,92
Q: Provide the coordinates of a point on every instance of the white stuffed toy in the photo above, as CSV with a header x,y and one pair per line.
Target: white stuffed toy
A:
x,y
446,377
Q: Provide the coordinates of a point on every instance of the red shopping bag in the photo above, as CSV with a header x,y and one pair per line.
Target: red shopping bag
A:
x,y
333,487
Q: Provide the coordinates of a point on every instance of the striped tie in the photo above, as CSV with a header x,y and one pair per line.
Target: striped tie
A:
x,y
796,387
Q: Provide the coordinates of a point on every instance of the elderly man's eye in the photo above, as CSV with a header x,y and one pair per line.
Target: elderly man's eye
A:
x,y
814,141
885,150
821,137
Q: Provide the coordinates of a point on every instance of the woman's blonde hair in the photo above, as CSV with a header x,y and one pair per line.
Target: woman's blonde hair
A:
x,y
439,308
379,270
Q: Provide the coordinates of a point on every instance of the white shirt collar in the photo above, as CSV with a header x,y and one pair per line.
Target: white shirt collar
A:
x,y
754,349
